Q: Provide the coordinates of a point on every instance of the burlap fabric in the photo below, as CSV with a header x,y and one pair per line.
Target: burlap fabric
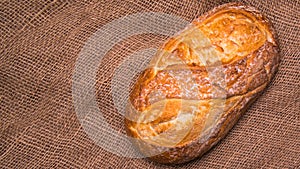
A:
x,y
39,45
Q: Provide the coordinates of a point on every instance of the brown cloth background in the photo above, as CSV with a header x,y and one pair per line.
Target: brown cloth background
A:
x,y
39,44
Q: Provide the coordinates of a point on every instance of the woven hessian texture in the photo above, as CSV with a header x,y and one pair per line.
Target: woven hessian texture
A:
x,y
40,43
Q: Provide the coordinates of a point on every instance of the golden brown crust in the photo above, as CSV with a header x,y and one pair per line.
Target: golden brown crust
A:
x,y
179,107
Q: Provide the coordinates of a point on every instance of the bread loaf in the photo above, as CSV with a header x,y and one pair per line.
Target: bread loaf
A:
x,y
200,82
